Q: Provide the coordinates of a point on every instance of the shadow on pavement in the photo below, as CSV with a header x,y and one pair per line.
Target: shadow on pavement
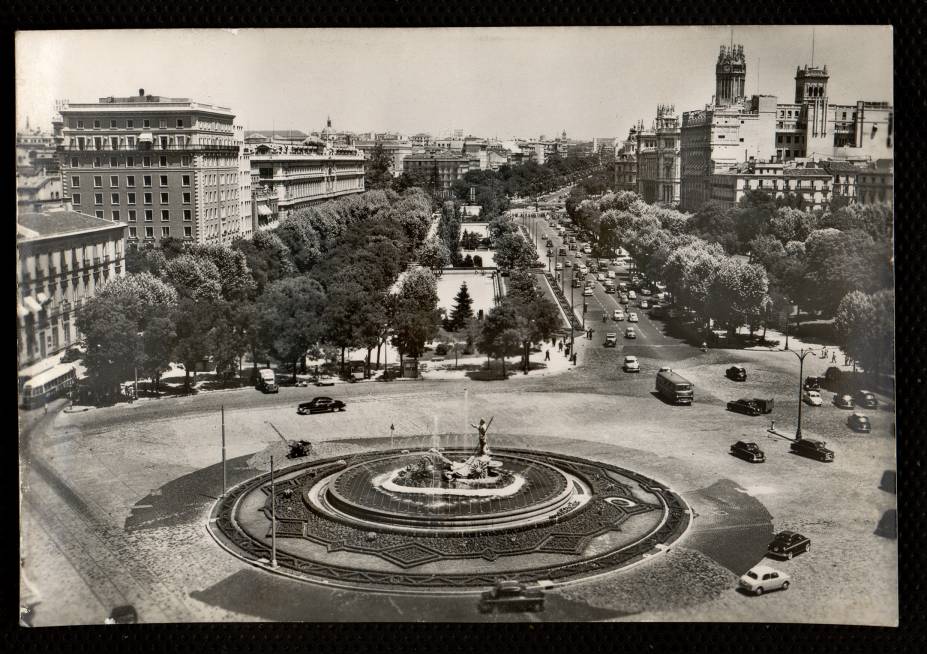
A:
x,y
888,525
888,481
271,597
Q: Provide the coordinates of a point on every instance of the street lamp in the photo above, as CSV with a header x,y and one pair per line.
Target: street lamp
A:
x,y
801,366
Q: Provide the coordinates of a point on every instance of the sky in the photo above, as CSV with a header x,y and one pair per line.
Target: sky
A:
x,y
490,82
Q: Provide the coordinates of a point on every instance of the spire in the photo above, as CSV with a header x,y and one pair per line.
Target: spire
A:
x,y
27,122
812,47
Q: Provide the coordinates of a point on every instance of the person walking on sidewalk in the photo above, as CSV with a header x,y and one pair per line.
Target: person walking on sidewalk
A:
x,y
547,355
833,357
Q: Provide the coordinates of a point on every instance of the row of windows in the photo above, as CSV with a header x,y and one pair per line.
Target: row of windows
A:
x,y
129,123
165,232
115,198
130,181
132,162
132,215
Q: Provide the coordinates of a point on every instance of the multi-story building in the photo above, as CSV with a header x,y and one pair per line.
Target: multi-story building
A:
x,y
626,163
35,151
35,192
62,257
307,174
658,169
265,214
420,140
814,186
844,176
874,183
438,170
396,149
167,167
245,206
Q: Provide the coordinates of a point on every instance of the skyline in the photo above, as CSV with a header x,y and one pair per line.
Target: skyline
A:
x,y
490,82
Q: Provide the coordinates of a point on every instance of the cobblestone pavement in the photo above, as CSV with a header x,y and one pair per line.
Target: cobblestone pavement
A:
x,y
115,499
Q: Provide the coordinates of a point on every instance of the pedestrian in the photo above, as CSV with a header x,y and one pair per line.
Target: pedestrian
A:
x,y
772,427
833,357
846,360
560,346
547,355
574,358
45,409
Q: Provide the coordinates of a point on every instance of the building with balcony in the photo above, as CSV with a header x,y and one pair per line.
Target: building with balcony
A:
x,y
875,183
35,151
307,174
658,166
626,163
813,185
62,257
421,140
167,167
38,192
437,170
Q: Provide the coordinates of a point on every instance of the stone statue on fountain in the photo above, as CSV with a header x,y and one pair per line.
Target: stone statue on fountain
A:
x,y
479,466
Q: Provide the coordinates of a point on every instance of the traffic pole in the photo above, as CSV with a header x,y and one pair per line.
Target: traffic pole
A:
x,y
273,517
224,476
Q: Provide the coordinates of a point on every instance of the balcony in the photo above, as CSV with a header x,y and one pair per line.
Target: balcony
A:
x,y
138,147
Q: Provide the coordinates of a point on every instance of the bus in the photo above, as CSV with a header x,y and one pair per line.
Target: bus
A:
x,y
48,385
674,387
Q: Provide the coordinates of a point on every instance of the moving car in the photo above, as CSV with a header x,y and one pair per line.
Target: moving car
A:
x,y
623,299
737,373
632,317
645,304
267,381
812,449
611,339
866,399
600,277
587,292
632,295
610,274
645,291
630,333
631,364
568,264
319,405
748,451
559,266
786,544
674,388
812,397
618,315
843,401
609,288
587,250
859,422
744,405
761,578
512,596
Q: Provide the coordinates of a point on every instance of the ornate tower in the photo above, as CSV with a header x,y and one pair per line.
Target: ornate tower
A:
x,y
810,84
730,73
811,91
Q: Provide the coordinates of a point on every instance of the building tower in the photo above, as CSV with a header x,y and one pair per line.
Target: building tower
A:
x,y
730,73
811,91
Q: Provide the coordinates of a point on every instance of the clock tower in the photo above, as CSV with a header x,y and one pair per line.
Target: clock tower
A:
x,y
730,73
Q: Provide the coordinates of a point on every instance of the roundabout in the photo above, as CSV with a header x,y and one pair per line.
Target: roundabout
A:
x,y
415,521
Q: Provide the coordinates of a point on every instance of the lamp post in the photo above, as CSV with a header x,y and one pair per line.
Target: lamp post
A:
x,y
801,354
273,517
572,318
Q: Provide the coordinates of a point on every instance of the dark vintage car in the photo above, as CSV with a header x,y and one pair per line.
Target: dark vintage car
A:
x,y
511,596
125,614
319,405
812,449
859,422
866,399
786,544
743,405
843,401
737,373
813,383
748,451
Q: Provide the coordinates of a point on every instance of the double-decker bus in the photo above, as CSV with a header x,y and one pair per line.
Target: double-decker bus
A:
x,y
674,387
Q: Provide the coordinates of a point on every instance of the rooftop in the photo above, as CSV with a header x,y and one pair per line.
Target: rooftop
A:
x,y
53,223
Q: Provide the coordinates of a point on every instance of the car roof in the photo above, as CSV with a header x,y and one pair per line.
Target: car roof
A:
x,y
860,415
762,569
321,397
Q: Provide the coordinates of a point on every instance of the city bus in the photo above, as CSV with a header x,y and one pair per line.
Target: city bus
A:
x,y
48,385
674,387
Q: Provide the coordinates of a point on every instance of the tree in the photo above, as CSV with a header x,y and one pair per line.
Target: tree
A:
x,y
378,168
416,316
512,251
865,327
345,304
462,311
157,347
435,256
289,317
738,292
267,257
499,336
194,277
193,320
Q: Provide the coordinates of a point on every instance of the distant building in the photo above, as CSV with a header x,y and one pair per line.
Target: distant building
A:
x,y
420,140
875,183
62,257
396,149
38,192
626,163
778,180
167,167
35,151
845,176
658,163
264,205
437,170
291,136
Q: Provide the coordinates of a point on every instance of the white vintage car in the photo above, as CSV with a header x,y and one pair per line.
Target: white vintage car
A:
x,y
761,578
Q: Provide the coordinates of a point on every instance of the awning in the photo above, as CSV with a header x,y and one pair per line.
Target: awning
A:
x,y
146,136
264,210
32,305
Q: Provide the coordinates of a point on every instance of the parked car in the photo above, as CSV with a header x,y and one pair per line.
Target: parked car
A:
x,y
610,274
512,596
630,333
125,614
744,405
631,364
618,315
786,544
632,295
761,578
843,401
737,373
611,339
320,405
632,317
866,399
568,264
600,277
812,449
859,422
812,397
748,451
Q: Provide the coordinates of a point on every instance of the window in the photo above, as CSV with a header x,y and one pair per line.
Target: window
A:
x,y
98,198
149,232
130,181
112,124
99,213
162,161
130,161
147,198
146,123
96,124
96,162
97,181
148,215
115,215
130,124
163,180
187,214
75,181
185,160
188,231
113,161
165,215
186,197
114,198
75,198
132,215
164,198
131,198
185,180
146,162
165,231
80,124
162,123
133,232
75,162
146,180
114,181
180,122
